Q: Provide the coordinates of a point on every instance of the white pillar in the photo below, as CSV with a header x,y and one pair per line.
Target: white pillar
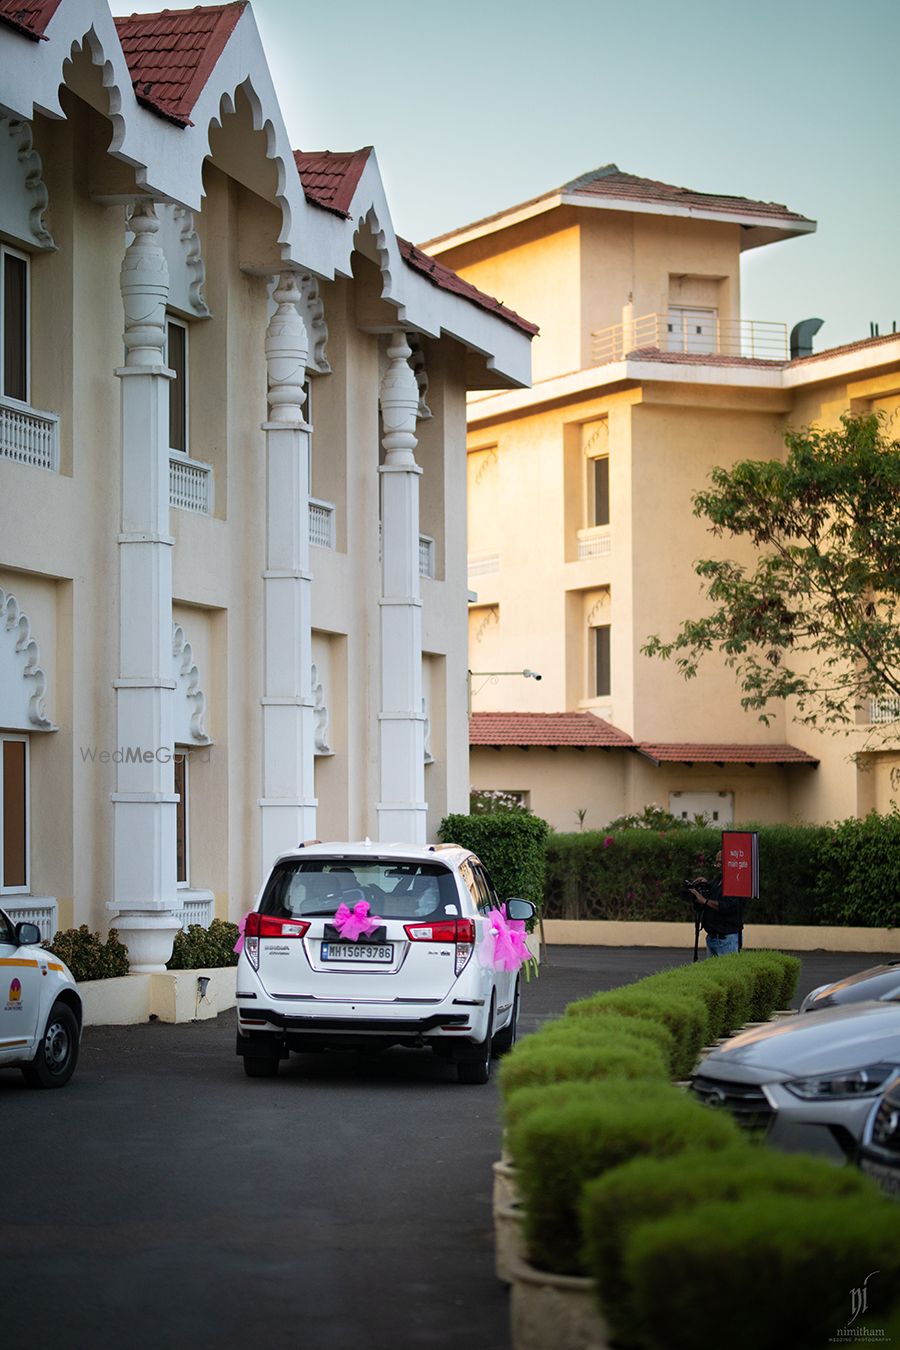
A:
x,y
401,809
288,803
144,900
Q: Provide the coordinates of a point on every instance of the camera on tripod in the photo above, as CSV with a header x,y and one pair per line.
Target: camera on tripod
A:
x,y
699,884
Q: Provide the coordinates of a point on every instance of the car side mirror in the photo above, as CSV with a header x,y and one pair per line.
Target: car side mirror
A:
x,y
27,934
520,909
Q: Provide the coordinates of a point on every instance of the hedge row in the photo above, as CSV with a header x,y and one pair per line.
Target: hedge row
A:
x,y
679,1218
512,846
848,874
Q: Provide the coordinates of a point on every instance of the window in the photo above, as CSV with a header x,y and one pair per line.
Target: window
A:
x,y
181,818
14,814
14,284
177,360
602,679
601,491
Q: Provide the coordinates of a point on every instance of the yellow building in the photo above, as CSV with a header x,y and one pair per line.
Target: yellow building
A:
x,y
581,531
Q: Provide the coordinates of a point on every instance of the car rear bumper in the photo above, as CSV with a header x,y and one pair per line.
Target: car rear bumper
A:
x,y
304,1023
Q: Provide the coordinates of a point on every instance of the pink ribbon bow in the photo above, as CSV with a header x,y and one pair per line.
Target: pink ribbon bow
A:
x,y
352,923
503,947
239,945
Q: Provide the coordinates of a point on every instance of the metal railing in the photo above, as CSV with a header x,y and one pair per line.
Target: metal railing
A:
x,y
594,543
696,334
884,709
321,523
28,436
190,484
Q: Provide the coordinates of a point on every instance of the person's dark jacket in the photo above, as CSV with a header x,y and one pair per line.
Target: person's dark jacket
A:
x,y
727,918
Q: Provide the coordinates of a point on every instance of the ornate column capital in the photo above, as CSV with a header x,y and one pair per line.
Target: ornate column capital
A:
x,y
287,350
144,282
399,405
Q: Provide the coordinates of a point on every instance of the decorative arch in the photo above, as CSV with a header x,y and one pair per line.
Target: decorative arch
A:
x,y
23,683
92,44
190,700
369,224
228,107
600,608
22,213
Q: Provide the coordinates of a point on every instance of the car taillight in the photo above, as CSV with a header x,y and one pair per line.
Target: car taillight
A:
x,y
461,932
267,925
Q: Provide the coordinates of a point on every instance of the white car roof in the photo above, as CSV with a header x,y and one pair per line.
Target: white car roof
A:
x,y
449,854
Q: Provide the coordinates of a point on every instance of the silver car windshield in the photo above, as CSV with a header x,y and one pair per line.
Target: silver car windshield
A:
x,y
394,890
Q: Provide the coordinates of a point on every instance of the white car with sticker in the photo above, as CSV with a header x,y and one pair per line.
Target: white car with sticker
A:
x,y
426,974
40,1008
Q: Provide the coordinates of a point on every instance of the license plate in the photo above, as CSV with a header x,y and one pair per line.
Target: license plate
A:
x,y
357,951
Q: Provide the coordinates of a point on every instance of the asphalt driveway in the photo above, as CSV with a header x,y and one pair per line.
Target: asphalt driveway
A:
x,y
162,1200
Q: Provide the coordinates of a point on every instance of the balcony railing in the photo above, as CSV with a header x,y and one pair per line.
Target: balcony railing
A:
x,y
697,334
426,556
190,484
594,543
482,564
28,436
321,523
884,710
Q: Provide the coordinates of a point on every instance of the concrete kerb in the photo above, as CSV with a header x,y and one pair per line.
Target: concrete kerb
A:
x,y
760,936
172,996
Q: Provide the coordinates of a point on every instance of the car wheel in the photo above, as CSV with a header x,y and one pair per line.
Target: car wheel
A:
x,y
506,1039
260,1066
478,1069
57,1053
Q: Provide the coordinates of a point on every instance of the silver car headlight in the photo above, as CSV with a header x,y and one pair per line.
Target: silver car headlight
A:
x,y
840,1086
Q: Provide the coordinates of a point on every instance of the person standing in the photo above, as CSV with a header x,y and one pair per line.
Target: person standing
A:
x,y
721,917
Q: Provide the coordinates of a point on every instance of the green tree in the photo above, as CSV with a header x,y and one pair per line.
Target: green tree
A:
x,y
815,618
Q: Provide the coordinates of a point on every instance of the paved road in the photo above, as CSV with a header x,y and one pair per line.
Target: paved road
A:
x,y
163,1200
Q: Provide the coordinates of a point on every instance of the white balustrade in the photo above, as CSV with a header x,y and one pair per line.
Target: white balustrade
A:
x,y
884,709
426,556
594,543
190,484
28,436
29,909
321,523
196,909
482,564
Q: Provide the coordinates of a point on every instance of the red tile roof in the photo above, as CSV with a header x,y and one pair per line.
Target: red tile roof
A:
x,y
171,55
449,280
330,179
687,753
579,729
29,16
699,358
610,181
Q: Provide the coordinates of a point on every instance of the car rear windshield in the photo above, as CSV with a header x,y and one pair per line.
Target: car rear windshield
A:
x,y
394,890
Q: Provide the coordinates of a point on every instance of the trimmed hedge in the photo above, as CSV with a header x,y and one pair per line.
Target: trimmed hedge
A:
x,y
557,1059
88,956
604,1025
614,1205
685,1016
845,874
512,846
568,1140
765,1271
201,947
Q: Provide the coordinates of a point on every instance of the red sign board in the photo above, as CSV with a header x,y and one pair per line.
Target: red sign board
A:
x,y
740,864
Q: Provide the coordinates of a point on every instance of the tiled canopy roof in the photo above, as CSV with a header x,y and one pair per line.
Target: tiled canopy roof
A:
x,y
579,729
449,280
171,55
330,179
610,181
28,16
692,753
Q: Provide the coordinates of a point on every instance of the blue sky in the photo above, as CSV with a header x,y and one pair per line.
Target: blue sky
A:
x,y
480,104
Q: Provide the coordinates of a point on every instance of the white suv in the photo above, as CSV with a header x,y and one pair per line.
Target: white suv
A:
x,y
424,976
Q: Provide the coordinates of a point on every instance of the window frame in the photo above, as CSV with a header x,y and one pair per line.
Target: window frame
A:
x,y
596,630
596,524
182,816
7,250
22,738
173,320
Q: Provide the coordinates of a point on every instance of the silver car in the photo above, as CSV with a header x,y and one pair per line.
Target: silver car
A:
x,y
808,1083
876,982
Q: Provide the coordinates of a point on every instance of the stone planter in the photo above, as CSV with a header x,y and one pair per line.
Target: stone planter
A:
x,y
554,1310
509,1240
506,1191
